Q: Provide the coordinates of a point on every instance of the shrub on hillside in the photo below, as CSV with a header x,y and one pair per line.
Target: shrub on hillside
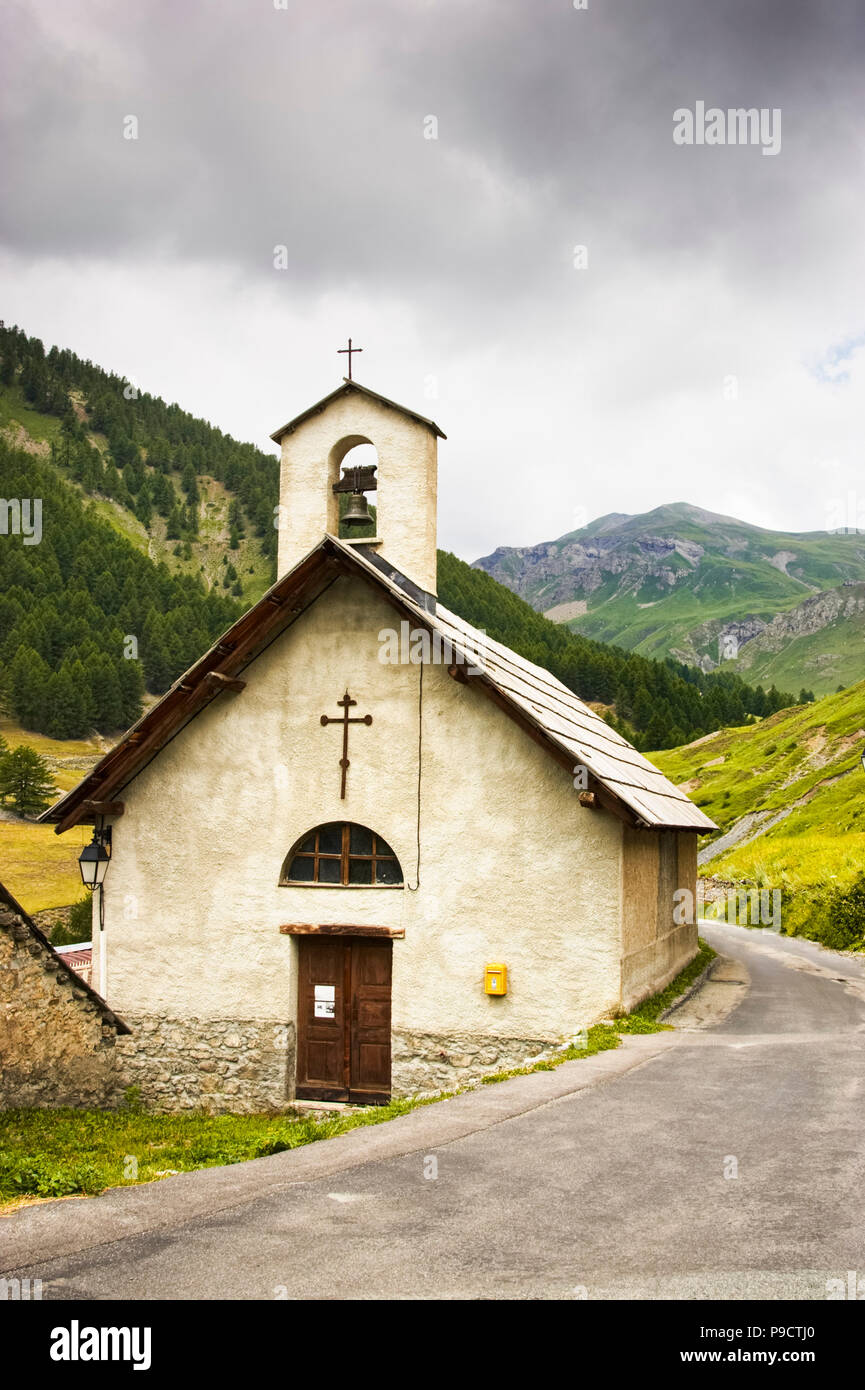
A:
x,y
833,916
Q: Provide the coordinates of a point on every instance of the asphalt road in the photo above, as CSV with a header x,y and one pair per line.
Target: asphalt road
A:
x,y
724,1160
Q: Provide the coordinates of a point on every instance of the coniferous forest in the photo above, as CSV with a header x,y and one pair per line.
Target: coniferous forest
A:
x,y
88,622
147,441
658,704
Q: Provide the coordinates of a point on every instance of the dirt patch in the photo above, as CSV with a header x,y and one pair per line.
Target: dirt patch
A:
x,y
695,743
29,1200
816,746
20,439
848,744
565,612
748,828
79,410
755,823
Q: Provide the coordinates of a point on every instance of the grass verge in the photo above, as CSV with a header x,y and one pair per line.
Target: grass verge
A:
x,y
61,1153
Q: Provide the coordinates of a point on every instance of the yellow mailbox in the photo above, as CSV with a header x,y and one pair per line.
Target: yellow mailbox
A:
x,y
495,979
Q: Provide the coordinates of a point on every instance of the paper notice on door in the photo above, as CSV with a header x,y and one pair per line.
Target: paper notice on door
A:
x,y
327,992
325,1008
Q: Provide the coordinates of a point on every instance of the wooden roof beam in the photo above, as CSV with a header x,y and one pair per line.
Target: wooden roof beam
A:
x,y
219,681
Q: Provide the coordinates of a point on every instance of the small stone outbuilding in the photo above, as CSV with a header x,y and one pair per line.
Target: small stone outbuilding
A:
x,y
57,1035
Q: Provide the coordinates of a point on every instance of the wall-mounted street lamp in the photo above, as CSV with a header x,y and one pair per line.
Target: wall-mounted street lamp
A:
x,y
94,859
93,862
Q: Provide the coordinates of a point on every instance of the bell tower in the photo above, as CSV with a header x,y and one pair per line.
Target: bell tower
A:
x,y
403,485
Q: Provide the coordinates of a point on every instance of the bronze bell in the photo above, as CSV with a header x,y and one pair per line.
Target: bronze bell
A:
x,y
357,511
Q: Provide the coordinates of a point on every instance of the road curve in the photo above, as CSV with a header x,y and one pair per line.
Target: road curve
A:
x,y
721,1161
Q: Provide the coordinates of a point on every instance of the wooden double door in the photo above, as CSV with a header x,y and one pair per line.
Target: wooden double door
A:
x,y
343,1033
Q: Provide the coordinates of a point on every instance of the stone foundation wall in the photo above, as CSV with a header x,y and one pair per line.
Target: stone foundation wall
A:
x,y
427,1062
234,1065
220,1065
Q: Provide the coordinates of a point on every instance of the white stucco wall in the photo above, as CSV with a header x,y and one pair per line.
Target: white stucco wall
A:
x,y
407,483
511,867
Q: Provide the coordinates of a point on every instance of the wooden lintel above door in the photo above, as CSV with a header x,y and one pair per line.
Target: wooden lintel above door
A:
x,y
339,929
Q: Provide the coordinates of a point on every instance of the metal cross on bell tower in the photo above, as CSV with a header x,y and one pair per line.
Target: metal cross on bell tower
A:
x,y
349,350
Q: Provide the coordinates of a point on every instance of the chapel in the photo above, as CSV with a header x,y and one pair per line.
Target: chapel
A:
x,y
380,852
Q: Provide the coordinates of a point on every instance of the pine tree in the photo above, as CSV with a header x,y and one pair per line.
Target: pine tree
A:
x,y
235,517
164,496
144,508
28,683
65,708
26,781
131,691
7,367
189,483
103,679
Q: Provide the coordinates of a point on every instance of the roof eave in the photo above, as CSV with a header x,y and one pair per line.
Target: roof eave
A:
x,y
219,659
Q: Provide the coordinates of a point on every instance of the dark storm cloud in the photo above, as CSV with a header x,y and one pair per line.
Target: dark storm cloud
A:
x,y
454,258
304,127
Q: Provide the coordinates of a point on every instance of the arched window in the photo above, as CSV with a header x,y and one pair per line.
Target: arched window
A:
x,y
342,854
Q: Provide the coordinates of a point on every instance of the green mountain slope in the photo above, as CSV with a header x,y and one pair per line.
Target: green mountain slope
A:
x,y
821,642
653,702
677,581
788,794
86,620
179,490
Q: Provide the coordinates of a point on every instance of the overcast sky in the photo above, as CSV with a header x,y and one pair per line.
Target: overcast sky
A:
x,y
711,350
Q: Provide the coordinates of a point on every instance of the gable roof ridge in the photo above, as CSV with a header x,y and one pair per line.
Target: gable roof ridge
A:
x,y
531,695
349,385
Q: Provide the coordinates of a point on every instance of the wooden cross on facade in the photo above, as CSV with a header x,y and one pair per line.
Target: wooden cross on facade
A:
x,y
349,350
344,719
